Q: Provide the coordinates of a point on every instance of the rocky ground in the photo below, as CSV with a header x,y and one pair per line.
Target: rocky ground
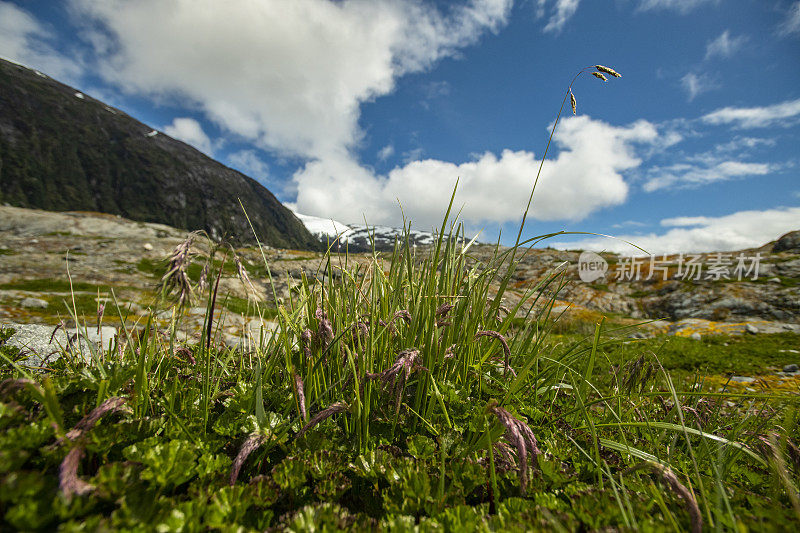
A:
x,y
53,265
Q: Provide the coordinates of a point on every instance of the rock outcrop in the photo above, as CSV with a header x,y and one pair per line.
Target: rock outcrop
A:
x,y
788,243
62,150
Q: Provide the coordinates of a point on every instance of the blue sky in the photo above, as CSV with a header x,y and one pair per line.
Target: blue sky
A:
x,y
350,109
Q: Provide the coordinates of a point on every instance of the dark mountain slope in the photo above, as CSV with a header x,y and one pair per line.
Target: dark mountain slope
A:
x,y
61,150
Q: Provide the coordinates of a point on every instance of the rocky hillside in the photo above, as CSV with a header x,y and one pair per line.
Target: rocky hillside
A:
x,y
62,150
723,290
112,259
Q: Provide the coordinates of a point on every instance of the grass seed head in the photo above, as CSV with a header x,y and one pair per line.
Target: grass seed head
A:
x,y
7,386
68,480
176,279
608,70
599,76
243,276
202,283
503,342
112,405
250,444
306,337
520,435
450,352
678,488
325,328
403,314
301,395
573,103
444,309
335,408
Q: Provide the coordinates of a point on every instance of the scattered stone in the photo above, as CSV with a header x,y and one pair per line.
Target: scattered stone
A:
x,y
41,344
774,280
751,329
33,303
148,246
695,336
742,379
791,368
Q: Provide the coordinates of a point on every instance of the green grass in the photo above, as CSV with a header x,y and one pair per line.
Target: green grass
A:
x,y
6,251
683,357
151,267
403,449
50,285
243,306
400,400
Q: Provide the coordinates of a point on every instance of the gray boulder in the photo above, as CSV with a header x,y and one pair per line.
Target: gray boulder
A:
x,y
33,303
41,343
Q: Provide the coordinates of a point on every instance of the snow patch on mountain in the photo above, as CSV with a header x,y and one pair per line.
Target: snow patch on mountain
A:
x,y
361,237
324,228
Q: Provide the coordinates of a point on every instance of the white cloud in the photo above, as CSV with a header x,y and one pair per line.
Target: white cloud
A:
x,y
740,144
737,231
288,75
249,163
689,175
562,11
585,176
628,223
791,25
23,40
681,6
191,132
724,46
695,84
782,114
679,222
386,152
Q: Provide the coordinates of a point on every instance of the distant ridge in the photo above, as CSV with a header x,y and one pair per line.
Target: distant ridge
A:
x,y
62,150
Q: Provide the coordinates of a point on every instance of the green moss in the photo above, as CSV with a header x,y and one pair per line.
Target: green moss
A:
x,y
50,285
5,334
714,354
151,267
242,306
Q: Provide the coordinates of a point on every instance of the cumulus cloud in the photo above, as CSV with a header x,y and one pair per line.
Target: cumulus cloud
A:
x,y
685,175
191,132
696,84
562,11
737,231
585,176
23,40
288,75
724,46
782,114
791,25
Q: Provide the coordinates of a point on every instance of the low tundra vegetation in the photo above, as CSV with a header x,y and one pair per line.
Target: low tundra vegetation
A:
x,y
399,399
397,395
